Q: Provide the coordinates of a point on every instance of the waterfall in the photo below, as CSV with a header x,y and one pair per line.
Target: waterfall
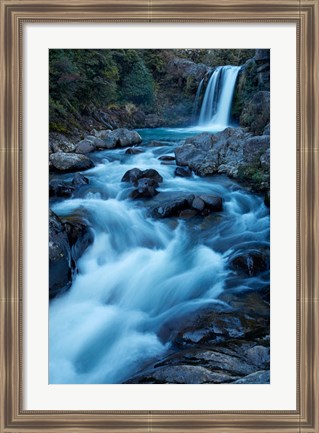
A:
x,y
196,103
216,107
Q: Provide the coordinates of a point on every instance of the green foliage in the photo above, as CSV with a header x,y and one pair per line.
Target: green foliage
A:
x,y
155,61
137,85
217,57
255,176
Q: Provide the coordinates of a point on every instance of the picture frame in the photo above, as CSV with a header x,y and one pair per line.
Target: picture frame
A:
x,y
14,14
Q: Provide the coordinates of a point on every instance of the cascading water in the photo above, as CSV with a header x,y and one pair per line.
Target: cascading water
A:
x,y
196,103
141,276
217,102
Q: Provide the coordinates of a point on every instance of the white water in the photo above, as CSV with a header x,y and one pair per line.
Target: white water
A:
x,y
141,276
196,103
217,102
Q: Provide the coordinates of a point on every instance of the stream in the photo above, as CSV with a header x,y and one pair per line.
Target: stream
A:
x,y
141,273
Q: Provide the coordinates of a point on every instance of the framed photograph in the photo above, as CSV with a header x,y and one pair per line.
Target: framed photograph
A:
x,y
159,163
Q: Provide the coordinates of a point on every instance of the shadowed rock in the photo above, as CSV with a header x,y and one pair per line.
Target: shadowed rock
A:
x,y
70,162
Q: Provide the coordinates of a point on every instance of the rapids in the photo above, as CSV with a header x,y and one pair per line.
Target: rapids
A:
x,y
140,273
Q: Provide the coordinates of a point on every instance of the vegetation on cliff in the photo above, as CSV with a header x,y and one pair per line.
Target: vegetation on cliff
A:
x,y
160,84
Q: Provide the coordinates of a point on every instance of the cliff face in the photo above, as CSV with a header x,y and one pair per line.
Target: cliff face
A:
x,y
251,106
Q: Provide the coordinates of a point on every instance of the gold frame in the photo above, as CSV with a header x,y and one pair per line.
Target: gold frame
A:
x,y
14,13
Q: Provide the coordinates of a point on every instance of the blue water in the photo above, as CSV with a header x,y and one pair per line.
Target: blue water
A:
x,y
140,273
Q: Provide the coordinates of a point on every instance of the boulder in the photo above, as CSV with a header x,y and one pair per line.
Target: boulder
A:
x,y
198,204
125,137
60,271
172,207
59,188
212,202
250,263
186,374
70,162
152,174
62,146
259,377
85,146
133,151
132,176
180,68
67,242
188,213
80,237
166,158
158,143
145,188
234,152
109,140
135,174
254,148
258,355
183,172
79,180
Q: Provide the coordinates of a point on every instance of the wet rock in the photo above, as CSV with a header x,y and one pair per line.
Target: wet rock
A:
x,y
132,175
183,172
79,180
215,327
172,207
152,174
258,355
145,188
188,213
250,263
70,162
158,143
133,151
135,174
187,205
80,237
60,272
60,189
259,377
198,204
267,198
166,158
212,202
187,374
67,242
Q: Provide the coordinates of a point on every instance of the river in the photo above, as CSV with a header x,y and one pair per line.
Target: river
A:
x,y
141,274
